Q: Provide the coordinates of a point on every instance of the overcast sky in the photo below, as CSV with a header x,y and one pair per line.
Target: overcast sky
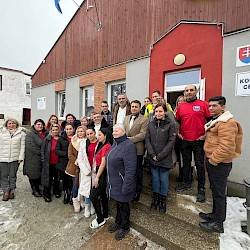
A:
x,y
29,28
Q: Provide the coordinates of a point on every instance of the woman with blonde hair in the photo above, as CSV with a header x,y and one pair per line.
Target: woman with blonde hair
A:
x,y
72,168
12,144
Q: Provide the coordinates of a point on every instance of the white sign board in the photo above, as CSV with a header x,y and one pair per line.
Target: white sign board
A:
x,y
242,87
41,103
243,56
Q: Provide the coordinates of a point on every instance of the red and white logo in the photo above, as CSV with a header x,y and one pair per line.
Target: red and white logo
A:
x,y
243,56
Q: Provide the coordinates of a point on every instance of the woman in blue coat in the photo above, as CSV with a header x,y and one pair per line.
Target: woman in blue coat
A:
x,y
121,179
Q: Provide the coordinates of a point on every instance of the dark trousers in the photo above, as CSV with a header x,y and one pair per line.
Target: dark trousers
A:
x,y
139,174
177,149
34,183
122,214
196,147
98,197
66,181
218,182
53,179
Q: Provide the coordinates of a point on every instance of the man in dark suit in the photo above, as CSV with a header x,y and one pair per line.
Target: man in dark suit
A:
x,y
136,126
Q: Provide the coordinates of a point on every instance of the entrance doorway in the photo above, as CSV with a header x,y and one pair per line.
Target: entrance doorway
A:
x,y
26,116
172,97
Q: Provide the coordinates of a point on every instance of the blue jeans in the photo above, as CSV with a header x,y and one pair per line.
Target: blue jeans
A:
x,y
160,179
74,188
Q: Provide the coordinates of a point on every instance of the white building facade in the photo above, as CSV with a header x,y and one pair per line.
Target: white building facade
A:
x,y
15,95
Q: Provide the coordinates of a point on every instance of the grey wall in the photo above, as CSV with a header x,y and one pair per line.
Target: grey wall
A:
x,y
137,79
47,91
237,105
73,97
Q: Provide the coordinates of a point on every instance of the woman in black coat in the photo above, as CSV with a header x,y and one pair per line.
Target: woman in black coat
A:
x,y
62,151
121,179
160,141
49,160
32,163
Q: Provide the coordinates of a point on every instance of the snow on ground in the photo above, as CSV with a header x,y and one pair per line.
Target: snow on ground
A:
x,y
233,237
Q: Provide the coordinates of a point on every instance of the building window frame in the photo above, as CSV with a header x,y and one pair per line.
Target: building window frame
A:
x,y
114,89
28,88
1,82
61,97
88,98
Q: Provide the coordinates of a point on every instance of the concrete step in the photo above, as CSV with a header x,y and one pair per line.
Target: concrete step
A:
x,y
178,228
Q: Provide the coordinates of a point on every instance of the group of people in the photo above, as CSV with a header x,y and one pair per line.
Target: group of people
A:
x,y
94,158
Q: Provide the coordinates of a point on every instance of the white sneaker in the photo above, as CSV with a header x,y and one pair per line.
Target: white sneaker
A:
x,y
87,210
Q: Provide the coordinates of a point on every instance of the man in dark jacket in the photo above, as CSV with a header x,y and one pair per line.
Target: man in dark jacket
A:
x,y
106,113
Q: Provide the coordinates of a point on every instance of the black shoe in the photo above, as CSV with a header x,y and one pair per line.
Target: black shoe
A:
x,y
58,195
121,234
155,203
179,179
137,197
162,207
46,198
71,199
208,217
66,197
183,187
114,227
201,195
216,227
36,193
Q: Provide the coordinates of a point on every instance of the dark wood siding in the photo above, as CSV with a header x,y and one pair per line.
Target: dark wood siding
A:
x,y
129,28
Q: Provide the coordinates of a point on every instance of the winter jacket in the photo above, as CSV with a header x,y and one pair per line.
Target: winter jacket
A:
x,y
137,132
32,163
72,155
87,174
223,139
45,158
61,150
108,117
12,147
121,163
160,141
116,109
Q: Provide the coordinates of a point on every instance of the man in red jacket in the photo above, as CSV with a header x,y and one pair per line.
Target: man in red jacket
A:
x,y
192,116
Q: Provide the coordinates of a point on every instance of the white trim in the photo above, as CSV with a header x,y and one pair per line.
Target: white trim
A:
x,y
84,98
109,84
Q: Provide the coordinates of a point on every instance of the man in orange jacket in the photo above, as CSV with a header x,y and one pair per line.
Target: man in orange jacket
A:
x,y
222,144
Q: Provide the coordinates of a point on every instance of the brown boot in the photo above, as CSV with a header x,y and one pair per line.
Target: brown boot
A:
x,y
6,196
12,194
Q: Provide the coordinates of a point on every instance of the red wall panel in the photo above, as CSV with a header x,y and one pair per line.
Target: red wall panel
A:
x,y
202,46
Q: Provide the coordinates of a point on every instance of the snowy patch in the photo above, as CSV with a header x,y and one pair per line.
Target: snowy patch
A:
x,y
233,238
144,242
191,208
188,197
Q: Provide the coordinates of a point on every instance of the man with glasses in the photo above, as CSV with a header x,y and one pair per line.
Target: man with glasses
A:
x,y
106,113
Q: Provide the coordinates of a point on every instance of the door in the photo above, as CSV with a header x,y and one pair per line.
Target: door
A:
x,y
26,116
175,83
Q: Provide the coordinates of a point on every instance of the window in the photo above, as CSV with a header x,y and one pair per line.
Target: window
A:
x,y
180,79
61,104
1,83
114,90
88,101
28,88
